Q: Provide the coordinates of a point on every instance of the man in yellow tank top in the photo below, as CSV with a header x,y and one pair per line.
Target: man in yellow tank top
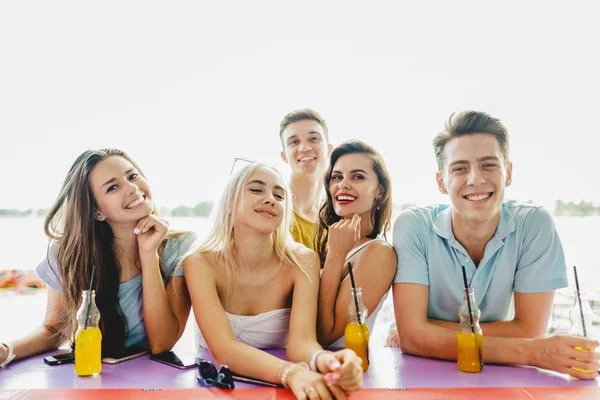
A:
x,y
305,141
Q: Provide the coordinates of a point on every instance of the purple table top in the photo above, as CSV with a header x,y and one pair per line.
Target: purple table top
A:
x,y
389,369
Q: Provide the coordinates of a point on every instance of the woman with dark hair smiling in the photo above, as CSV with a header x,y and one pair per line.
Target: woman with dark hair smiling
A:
x,y
356,212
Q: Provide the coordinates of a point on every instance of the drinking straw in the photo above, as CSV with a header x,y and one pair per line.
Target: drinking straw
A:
x,y
354,287
468,301
580,305
89,302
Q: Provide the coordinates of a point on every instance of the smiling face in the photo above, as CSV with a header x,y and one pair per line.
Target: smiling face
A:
x,y
121,193
475,177
354,186
305,148
261,204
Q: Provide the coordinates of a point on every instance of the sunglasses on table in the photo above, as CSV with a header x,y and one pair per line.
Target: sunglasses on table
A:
x,y
208,375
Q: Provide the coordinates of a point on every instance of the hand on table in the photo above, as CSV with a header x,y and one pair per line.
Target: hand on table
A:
x,y
558,353
393,339
310,385
343,368
3,353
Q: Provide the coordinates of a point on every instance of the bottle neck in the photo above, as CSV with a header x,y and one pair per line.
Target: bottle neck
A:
x,y
357,293
357,302
468,309
87,293
88,314
581,295
581,316
470,294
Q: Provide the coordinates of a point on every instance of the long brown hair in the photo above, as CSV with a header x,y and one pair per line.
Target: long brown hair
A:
x,y
381,213
80,242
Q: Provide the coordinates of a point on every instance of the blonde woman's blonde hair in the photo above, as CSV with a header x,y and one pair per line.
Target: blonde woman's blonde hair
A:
x,y
220,244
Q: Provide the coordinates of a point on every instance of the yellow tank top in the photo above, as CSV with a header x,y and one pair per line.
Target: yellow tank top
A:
x,y
303,231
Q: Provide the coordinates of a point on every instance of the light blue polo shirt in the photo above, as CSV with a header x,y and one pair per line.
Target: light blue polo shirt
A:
x,y
130,292
524,255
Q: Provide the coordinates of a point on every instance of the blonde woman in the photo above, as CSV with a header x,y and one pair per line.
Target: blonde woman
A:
x,y
252,287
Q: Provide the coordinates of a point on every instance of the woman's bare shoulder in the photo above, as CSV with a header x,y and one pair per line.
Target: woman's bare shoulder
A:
x,y
201,261
307,258
380,251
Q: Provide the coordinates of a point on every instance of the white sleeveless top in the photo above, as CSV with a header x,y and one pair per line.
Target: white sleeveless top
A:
x,y
265,330
341,342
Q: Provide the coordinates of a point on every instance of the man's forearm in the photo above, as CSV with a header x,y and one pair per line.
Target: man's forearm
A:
x,y
429,340
506,329
500,350
432,340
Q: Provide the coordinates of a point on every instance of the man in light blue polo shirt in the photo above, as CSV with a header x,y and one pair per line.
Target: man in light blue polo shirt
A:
x,y
510,251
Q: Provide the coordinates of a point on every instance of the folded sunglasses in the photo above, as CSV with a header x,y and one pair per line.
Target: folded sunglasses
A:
x,y
208,375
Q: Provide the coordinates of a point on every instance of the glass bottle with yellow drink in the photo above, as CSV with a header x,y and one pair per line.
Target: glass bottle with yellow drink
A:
x,y
357,331
469,334
88,339
581,317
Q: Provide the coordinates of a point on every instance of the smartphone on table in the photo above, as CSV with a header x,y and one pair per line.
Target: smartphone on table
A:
x,y
128,353
255,381
57,359
180,361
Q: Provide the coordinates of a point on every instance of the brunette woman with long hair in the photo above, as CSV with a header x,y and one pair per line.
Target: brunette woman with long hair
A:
x,y
356,212
105,216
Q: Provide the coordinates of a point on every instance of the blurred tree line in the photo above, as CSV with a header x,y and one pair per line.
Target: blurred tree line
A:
x,y
201,209
581,209
23,213
204,208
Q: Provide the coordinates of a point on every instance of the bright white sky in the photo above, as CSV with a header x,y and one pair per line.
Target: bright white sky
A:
x,y
186,86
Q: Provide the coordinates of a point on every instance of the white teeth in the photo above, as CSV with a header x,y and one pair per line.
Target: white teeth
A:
x,y
135,203
307,159
346,198
479,197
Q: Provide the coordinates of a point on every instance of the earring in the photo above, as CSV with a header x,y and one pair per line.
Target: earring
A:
x,y
98,216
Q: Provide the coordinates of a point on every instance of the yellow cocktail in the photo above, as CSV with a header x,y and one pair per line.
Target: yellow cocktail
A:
x,y
88,351
357,339
469,352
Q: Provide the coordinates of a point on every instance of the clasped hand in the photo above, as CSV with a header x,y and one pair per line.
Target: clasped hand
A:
x,y
340,373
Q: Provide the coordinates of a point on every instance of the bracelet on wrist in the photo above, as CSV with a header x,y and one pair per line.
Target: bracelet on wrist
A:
x,y
315,357
282,366
285,370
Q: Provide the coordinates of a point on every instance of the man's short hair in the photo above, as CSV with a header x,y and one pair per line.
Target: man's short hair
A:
x,y
470,123
302,115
